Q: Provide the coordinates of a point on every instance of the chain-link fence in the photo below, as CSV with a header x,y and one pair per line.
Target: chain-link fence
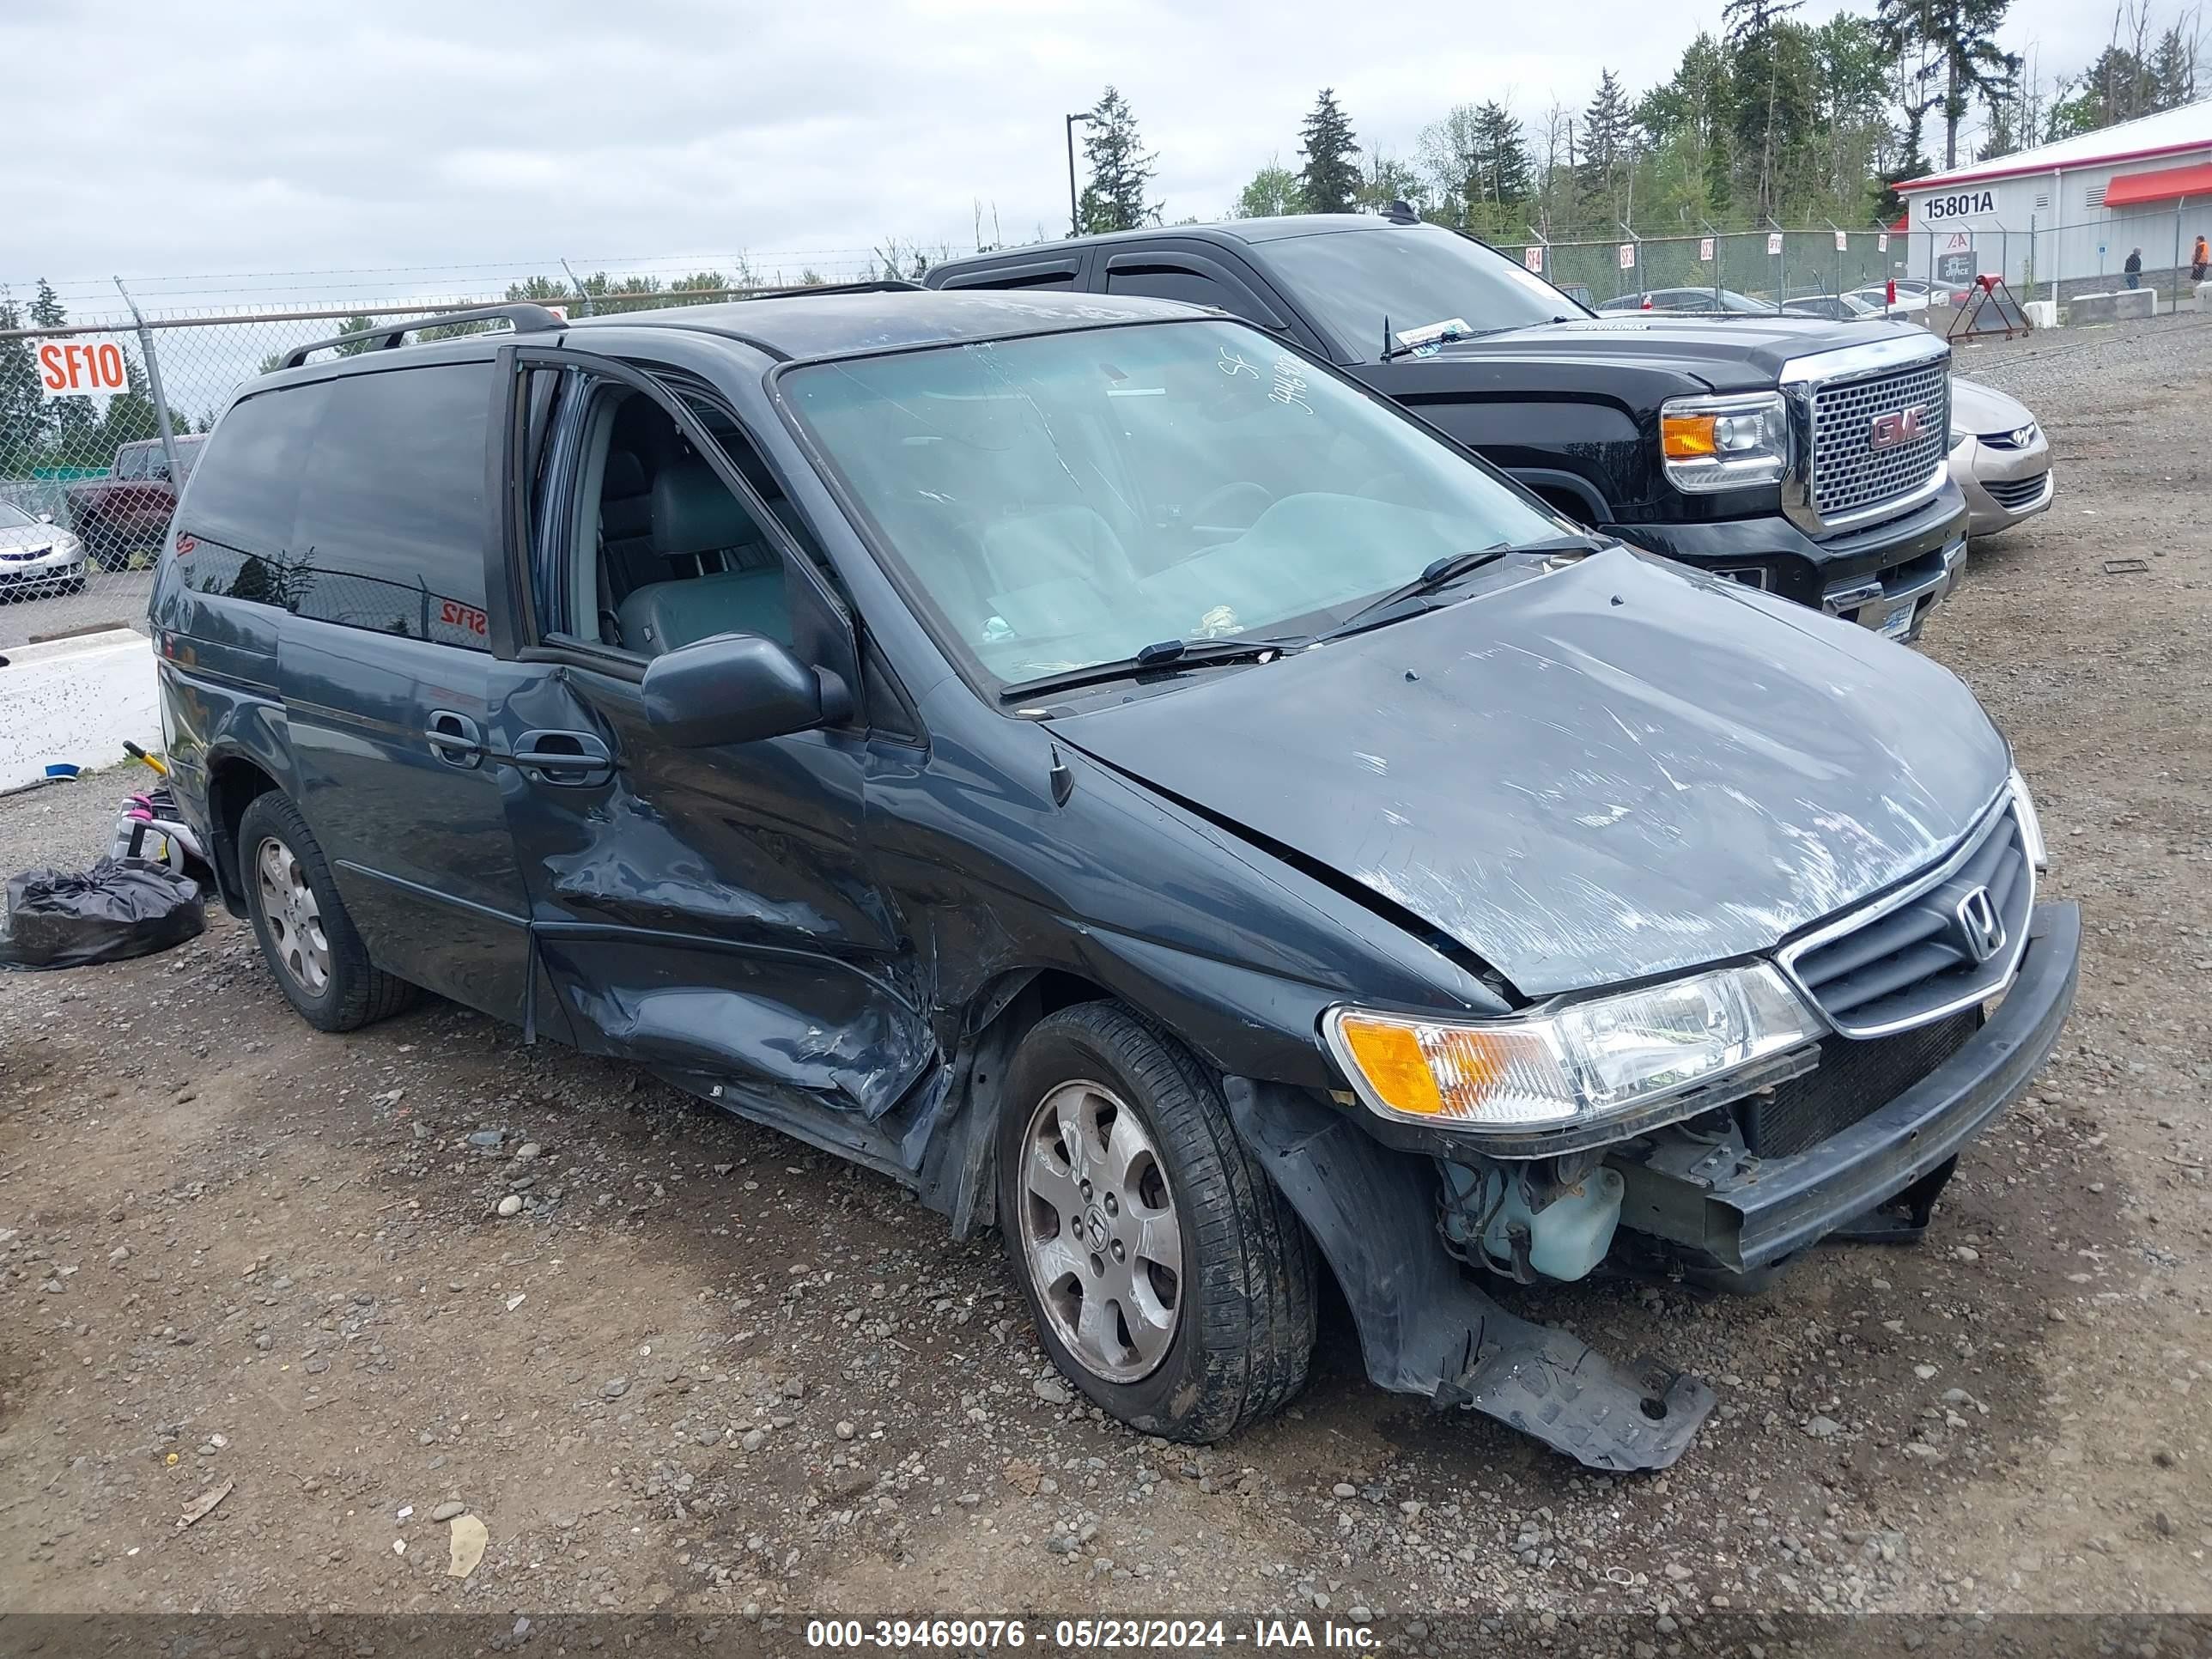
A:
x,y
1772,266
89,477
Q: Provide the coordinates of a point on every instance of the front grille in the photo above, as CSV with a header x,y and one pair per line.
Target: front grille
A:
x,y
1925,955
1849,475
1855,1078
2013,494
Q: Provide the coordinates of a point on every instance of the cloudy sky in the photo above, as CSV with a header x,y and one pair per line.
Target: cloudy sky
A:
x,y
239,151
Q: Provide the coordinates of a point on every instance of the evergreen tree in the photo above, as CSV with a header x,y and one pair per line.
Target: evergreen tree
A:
x,y
22,411
1121,170
1601,171
1772,107
1329,182
2172,71
1507,177
1963,35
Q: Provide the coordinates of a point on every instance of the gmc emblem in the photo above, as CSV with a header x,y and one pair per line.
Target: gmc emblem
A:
x,y
1899,426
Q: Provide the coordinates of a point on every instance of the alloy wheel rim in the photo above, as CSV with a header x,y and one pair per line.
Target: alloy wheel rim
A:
x,y
294,917
1099,1231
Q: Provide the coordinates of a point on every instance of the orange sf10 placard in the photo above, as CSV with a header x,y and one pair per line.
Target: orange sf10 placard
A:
x,y
72,369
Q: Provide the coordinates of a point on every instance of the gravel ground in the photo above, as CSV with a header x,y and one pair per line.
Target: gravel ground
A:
x,y
706,1369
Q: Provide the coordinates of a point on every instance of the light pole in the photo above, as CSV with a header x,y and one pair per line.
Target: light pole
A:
x,y
1074,221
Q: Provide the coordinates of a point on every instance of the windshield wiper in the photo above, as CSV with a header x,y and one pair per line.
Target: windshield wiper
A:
x,y
1161,654
1440,573
1455,338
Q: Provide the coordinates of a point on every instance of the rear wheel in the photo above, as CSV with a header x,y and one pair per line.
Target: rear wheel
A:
x,y
307,938
106,545
1167,1278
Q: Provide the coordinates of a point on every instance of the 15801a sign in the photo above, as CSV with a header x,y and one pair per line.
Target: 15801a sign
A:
x,y
1959,204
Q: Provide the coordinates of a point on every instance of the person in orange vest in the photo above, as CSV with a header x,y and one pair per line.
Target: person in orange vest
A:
x,y
2198,259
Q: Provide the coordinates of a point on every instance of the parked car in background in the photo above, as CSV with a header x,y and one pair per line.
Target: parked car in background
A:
x,y
37,556
1102,769
1999,458
1691,301
130,508
1836,307
1746,445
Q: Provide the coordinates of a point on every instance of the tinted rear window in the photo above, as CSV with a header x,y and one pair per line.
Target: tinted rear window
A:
x,y
358,501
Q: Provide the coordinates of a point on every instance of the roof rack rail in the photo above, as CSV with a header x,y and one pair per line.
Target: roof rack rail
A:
x,y
527,318
883,285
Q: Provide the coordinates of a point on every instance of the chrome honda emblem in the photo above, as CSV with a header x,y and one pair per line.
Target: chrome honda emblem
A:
x,y
1980,928
1899,426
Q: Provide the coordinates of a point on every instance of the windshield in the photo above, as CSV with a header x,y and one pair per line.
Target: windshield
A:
x,y
1065,499
14,518
1416,276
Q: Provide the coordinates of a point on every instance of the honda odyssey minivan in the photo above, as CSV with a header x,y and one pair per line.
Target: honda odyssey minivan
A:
x,y
1112,775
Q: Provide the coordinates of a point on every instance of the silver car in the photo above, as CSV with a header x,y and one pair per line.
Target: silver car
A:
x,y
2000,459
37,556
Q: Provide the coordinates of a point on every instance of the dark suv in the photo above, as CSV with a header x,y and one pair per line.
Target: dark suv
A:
x,y
1803,457
1108,772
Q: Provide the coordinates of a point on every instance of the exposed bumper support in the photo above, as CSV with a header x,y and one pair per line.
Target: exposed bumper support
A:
x,y
1425,1326
1776,1208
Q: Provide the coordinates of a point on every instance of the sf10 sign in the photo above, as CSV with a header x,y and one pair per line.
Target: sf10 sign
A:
x,y
77,368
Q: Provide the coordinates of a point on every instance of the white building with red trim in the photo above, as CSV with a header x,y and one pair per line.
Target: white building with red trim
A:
x,y
2070,211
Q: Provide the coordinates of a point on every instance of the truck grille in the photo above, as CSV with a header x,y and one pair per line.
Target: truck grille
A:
x,y
1949,943
1849,476
1855,1079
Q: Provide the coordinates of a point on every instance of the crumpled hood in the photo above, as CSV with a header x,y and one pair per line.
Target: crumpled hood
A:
x,y
1614,770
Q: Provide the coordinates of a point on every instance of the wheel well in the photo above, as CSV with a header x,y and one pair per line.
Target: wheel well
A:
x,y
232,786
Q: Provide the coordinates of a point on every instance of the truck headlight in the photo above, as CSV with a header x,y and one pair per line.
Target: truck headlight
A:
x,y
1579,1062
1707,444
2031,826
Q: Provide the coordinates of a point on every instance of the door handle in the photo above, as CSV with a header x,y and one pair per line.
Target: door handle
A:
x,y
571,759
455,738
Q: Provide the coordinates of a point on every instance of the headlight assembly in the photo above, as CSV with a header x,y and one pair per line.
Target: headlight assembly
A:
x,y
1707,444
2031,826
1580,1063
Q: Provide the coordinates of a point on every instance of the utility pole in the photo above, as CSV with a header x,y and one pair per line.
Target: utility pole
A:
x,y
1074,220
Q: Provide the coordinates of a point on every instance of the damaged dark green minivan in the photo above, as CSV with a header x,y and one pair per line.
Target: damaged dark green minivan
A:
x,y
1120,779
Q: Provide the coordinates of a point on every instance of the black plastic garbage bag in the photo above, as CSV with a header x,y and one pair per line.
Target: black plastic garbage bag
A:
x,y
117,909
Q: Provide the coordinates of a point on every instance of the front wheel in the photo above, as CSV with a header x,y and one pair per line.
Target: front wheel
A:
x,y
1167,1278
307,938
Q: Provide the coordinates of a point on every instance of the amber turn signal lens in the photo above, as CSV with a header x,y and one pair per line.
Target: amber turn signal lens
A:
x,y
1687,437
1389,1054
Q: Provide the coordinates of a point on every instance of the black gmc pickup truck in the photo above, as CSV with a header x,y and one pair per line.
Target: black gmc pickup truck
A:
x,y
1801,456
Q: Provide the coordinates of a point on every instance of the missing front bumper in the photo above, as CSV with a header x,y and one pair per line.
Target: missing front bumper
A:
x,y
1741,1215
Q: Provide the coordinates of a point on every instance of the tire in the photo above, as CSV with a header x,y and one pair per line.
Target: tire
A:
x,y
1240,1295
309,943
106,550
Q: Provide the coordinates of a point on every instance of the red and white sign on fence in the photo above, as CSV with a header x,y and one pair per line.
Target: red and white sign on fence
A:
x,y
78,368
1842,242
1705,250
1628,256
1533,260
1773,244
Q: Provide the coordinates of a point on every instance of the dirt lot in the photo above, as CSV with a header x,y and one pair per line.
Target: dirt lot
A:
x,y
706,1369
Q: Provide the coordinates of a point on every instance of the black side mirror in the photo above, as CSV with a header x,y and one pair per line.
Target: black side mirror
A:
x,y
739,688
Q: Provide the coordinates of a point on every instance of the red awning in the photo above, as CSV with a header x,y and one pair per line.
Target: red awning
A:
x,y
2162,185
